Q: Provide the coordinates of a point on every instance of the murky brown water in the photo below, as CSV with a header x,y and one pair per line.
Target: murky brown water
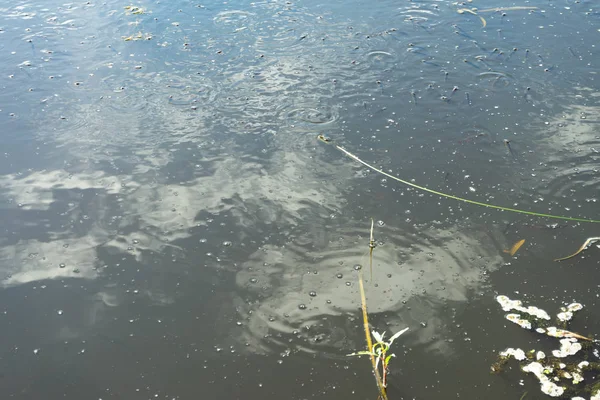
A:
x,y
171,227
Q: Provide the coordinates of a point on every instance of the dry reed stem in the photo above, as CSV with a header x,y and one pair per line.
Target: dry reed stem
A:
x,y
363,299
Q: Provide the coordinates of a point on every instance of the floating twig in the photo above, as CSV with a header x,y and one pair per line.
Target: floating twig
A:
x,y
464,10
584,246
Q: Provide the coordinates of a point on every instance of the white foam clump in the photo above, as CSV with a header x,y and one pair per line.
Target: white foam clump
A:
x,y
540,355
574,307
583,364
537,312
508,305
518,354
568,347
567,312
596,396
516,318
565,316
577,398
548,387
577,378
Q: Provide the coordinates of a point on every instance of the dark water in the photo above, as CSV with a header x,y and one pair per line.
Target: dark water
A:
x,y
166,210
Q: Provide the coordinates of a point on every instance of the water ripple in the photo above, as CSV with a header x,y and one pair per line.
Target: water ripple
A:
x,y
304,301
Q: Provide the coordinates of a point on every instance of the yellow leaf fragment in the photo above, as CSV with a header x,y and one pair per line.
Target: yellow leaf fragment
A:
x,y
515,247
135,10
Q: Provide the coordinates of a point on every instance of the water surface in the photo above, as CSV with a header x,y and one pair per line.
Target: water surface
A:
x,y
171,227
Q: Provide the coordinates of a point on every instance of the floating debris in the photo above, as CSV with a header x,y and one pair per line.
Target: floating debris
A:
x,y
502,9
568,347
517,305
137,36
517,354
466,10
567,312
515,247
475,11
557,377
134,10
516,318
561,333
584,246
548,387
324,138
449,196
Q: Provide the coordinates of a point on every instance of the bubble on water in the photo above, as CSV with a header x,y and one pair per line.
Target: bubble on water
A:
x,y
253,280
62,265
60,312
227,243
339,276
357,267
202,240
302,306
312,293
135,241
380,223
35,351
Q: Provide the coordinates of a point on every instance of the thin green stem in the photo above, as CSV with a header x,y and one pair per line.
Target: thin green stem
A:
x,y
449,196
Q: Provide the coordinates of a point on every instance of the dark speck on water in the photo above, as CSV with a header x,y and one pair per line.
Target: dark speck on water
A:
x,y
177,222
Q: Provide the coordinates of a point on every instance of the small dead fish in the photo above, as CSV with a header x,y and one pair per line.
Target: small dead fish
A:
x,y
515,247
561,333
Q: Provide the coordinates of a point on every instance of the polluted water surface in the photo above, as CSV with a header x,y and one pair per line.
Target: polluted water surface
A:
x,y
178,219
